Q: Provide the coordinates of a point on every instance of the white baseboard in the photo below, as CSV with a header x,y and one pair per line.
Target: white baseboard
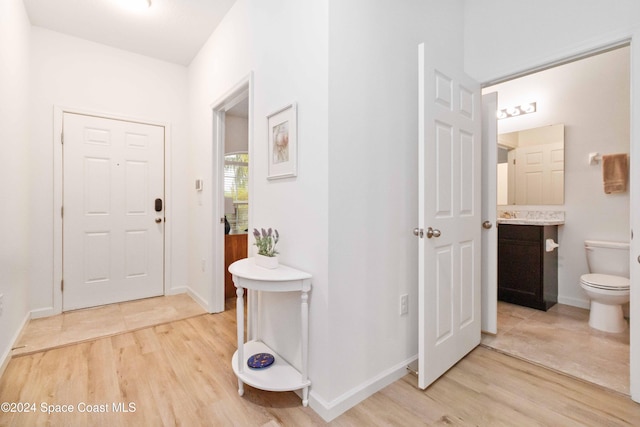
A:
x,y
197,298
330,410
574,302
6,355
43,312
177,291
186,289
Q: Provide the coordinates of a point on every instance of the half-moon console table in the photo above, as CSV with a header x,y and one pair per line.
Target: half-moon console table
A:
x,y
281,375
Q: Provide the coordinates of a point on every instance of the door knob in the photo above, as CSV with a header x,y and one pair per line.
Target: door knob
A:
x,y
487,225
431,232
158,220
418,232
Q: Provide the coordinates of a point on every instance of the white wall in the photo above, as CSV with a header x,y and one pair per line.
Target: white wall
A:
x,y
373,178
236,134
504,38
352,69
595,112
14,173
71,72
284,44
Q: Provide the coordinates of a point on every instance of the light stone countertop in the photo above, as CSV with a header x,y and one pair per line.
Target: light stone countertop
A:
x,y
522,217
526,221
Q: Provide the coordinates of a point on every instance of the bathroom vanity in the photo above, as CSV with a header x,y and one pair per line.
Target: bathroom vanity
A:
x,y
527,265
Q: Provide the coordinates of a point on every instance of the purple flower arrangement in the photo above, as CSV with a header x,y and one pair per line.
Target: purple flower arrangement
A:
x,y
266,241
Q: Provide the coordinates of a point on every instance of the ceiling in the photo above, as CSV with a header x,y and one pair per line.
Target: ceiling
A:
x,y
169,30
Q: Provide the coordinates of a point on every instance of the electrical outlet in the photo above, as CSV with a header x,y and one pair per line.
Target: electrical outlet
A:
x,y
404,304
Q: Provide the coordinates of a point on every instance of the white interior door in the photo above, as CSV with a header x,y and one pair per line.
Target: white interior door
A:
x,y
113,228
450,222
489,213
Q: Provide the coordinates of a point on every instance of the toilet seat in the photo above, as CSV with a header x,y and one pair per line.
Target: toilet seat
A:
x,y
605,281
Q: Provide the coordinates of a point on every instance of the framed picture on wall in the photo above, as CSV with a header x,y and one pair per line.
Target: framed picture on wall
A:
x,y
283,143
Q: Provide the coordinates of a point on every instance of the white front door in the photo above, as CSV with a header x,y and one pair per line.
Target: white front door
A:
x,y
489,214
450,222
113,221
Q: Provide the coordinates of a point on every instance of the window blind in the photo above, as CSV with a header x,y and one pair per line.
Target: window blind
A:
x,y
236,189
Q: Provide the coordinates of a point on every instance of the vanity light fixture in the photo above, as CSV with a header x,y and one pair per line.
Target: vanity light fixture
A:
x,y
517,111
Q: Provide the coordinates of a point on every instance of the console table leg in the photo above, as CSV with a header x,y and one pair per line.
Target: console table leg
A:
x,y
240,388
240,324
305,397
304,314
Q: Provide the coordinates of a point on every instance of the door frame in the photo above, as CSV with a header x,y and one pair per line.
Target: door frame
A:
x,y
489,282
58,181
596,46
241,90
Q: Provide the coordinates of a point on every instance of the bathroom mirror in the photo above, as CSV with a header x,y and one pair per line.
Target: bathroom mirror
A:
x,y
531,166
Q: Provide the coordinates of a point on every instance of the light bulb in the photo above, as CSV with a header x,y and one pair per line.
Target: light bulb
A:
x,y
528,108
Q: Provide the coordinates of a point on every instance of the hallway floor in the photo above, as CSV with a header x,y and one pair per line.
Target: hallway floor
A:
x,y
83,325
561,339
179,373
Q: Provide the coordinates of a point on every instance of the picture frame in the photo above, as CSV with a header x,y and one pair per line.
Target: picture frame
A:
x,y
282,135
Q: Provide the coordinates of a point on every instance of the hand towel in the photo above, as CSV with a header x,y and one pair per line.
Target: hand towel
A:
x,y
615,173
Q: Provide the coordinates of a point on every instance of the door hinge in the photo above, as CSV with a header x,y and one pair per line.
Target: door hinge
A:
x,y
61,211
62,285
61,137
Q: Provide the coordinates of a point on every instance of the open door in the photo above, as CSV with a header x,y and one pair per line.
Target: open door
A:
x,y
450,227
489,214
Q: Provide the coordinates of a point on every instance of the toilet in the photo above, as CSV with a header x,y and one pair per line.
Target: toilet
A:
x,y
607,283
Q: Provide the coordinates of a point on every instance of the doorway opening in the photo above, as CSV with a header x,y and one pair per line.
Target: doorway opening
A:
x,y
232,204
591,98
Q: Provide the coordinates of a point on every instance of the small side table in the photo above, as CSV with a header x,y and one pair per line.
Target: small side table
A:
x,y
281,375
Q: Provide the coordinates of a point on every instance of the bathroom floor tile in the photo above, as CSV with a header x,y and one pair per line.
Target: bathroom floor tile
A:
x,y
561,339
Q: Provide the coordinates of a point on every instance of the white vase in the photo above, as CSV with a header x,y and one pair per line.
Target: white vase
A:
x,y
267,261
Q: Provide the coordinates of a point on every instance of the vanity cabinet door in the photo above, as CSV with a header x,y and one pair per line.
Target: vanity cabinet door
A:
x,y
527,274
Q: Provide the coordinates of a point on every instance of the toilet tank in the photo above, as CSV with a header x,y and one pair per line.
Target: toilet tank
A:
x,y
608,257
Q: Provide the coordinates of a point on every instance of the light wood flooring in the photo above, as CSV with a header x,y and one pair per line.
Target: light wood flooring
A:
x,y
561,339
178,373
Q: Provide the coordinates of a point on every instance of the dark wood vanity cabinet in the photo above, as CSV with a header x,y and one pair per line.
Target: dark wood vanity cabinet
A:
x,y
527,273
